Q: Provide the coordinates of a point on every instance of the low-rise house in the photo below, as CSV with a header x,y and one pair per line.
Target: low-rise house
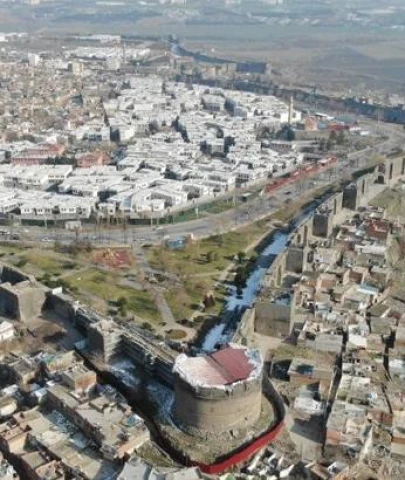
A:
x,y
326,257
6,331
398,434
92,159
357,390
7,471
38,155
307,372
347,424
23,370
396,366
105,417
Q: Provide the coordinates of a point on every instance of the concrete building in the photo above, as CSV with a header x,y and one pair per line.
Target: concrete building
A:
x,y
138,469
220,392
23,371
7,471
105,417
92,159
38,154
33,59
79,379
49,446
309,372
6,331
346,424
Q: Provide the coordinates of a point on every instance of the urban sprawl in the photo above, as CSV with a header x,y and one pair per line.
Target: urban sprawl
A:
x,y
290,360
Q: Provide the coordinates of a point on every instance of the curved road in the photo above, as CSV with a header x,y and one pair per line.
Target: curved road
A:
x,y
207,225
211,224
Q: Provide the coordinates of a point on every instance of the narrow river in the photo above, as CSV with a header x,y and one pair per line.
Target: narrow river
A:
x,y
236,303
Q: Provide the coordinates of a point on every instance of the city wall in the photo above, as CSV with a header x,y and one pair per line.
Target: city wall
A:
x,y
63,305
24,303
245,328
215,410
247,451
13,275
269,318
273,319
21,296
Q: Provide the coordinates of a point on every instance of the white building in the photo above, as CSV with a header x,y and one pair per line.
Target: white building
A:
x,y
6,331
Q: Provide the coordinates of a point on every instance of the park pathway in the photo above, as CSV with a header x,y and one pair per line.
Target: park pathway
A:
x,y
161,302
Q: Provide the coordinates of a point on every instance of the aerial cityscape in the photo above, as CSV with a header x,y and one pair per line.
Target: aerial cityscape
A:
x,y
202,240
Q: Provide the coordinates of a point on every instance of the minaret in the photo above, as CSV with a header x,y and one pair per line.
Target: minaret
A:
x,y
124,53
291,110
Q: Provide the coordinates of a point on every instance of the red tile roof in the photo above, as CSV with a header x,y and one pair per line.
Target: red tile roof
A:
x,y
233,363
224,367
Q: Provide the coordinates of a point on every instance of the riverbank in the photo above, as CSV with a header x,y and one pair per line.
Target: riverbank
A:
x,y
238,301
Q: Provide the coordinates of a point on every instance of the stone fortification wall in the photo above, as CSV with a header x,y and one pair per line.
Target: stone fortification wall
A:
x,y
13,275
394,169
273,319
217,410
246,328
114,341
63,305
22,302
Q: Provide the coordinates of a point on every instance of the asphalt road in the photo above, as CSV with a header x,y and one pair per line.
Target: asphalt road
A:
x,y
207,225
211,224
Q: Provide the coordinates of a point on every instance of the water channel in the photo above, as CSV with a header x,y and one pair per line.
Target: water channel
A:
x,y
237,302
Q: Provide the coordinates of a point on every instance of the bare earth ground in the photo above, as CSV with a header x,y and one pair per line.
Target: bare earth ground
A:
x,y
334,57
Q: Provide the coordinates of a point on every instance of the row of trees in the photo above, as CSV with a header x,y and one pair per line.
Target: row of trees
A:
x,y
335,139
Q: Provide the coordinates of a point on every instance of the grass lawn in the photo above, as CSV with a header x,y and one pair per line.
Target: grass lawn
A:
x,y
106,287
176,334
184,300
207,209
221,205
7,249
47,262
212,208
214,254
210,255
37,261
393,201
199,266
386,198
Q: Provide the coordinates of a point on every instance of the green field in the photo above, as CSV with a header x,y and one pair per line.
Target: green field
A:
x,y
37,261
106,287
47,262
184,300
7,249
200,265
207,256
393,201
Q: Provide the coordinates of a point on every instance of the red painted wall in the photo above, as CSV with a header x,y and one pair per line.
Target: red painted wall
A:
x,y
243,455
298,174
